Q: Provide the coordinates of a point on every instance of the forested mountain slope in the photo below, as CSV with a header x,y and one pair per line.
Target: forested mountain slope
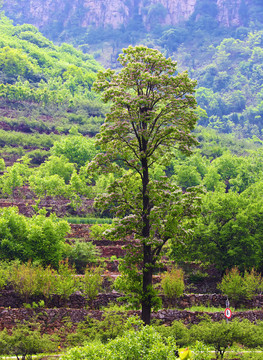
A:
x,y
44,90
230,86
79,15
218,42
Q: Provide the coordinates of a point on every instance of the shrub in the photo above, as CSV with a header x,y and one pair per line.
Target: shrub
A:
x,y
113,323
238,287
81,254
86,331
253,283
29,280
39,238
66,282
91,282
201,351
221,335
4,274
177,330
197,276
172,283
23,277
46,279
96,231
144,344
26,340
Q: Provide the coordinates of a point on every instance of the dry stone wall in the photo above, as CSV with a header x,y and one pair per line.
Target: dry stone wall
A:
x,y
51,320
10,299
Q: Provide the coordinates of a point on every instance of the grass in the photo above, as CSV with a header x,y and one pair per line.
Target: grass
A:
x,y
88,220
202,308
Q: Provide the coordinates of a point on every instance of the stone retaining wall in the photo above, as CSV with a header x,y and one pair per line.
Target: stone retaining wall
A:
x,y
51,320
9,298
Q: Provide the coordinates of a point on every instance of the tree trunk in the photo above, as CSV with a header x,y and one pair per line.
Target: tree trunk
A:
x,y
147,284
147,250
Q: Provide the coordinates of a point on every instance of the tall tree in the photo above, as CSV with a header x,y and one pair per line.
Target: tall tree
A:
x,y
152,112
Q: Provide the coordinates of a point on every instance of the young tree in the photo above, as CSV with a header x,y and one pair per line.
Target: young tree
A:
x,y
152,112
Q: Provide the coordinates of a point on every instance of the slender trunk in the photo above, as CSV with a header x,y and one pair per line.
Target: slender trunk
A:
x,y
147,285
147,250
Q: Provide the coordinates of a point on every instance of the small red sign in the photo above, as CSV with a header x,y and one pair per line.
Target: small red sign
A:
x,y
228,313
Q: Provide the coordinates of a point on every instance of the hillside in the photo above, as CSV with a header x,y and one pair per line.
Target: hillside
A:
x,y
94,25
218,42
59,16
45,90
69,230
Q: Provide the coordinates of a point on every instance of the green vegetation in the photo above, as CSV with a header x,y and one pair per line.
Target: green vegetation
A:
x,y
126,340
221,335
39,238
88,220
48,111
172,283
238,287
25,340
31,280
80,254
48,88
145,343
227,231
152,112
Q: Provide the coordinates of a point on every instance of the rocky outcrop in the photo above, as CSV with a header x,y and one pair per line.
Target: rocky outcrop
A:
x,y
167,12
115,13
229,12
106,12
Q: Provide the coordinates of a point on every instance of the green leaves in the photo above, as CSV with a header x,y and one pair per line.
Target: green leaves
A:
x,y
238,287
145,344
152,112
148,102
39,238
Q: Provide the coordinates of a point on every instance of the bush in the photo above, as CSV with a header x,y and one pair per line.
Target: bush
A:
x,y
177,330
46,279
221,335
26,340
201,351
23,277
39,238
96,231
66,282
172,283
197,276
113,323
91,282
238,287
81,254
30,280
4,274
144,344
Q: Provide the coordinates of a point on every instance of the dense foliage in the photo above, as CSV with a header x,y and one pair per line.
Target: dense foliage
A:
x,y
152,113
47,106
226,60
38,238
44,90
